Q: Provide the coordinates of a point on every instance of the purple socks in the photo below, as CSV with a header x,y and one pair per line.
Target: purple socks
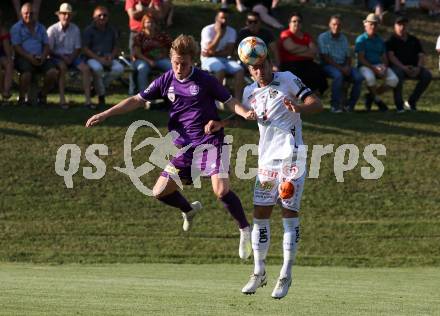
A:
x,y
177,200
233,204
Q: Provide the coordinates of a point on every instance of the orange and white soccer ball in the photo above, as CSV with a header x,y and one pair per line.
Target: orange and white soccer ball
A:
x,y
286,189
252,50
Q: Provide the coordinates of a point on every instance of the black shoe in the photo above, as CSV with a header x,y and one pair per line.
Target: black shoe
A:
x,y
101,101
23,102
382,106
369,98
41,99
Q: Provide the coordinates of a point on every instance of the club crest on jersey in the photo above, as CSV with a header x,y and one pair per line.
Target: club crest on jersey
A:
x,y
194,89
171,95
273,93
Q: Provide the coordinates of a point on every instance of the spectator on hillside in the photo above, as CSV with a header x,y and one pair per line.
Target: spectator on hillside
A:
x,y
100,47
297,52
217,44
373,63
336,59
135,9
6,62
264,9
150,49
30,43
162,10
253,28
65,48
407,60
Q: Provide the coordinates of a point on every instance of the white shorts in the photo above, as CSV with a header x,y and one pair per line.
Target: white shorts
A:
x,y
266,189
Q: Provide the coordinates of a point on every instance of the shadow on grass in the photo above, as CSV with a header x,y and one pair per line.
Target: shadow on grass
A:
x,y
17,132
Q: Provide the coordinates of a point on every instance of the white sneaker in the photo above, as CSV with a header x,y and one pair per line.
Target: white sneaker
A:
x,y
281,288
256,281
407,106
245,248
189,216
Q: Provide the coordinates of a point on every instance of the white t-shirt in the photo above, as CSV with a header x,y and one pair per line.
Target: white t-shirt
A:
x,y
208,34
280,129
64,42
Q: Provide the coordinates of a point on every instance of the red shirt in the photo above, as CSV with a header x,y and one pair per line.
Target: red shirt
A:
x,y
135,25
154,47
285,56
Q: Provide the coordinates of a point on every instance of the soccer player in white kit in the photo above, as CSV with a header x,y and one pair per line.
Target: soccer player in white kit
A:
x,y
278,99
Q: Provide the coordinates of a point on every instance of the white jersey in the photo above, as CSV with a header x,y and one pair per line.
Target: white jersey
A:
x,y
280,129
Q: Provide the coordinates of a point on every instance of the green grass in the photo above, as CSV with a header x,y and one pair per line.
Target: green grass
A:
x,y
165,289
390,222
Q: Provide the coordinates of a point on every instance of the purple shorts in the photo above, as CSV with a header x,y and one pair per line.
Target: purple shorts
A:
x,y
204,160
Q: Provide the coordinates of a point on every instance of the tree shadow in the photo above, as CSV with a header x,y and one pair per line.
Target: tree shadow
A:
x,y
17,132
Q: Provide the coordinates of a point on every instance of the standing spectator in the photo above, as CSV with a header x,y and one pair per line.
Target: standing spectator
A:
x,y
253,28
65,48
151,49
373,63
6,63
407,61
297,51
336,58
30,42
217,43
238,4
100,47
162,11
135,9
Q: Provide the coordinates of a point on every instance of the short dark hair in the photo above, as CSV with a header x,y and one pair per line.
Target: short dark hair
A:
x,y
335,16
254,14
224,10
295,13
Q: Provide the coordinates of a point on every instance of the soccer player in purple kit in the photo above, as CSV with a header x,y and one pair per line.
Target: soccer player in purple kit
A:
x,y
191,94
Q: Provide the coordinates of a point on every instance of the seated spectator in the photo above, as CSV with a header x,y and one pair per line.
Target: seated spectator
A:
x,y
264,9
297,52
407,60
373,63
151,49
35,8
65,48
30,42
217,43
336,60
100,47
253,28
6,62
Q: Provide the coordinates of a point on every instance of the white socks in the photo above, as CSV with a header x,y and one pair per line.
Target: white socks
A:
x,y
260,243
290,240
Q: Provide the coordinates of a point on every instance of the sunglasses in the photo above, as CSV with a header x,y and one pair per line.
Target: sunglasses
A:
x,y
252,21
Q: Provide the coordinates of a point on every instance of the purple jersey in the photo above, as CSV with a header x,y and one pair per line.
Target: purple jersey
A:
x,y
192,104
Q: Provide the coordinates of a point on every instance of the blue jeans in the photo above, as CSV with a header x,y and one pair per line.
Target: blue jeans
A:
x,y
338,79
142,71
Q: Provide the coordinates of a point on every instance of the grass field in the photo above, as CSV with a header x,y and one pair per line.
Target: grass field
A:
x,y
166,289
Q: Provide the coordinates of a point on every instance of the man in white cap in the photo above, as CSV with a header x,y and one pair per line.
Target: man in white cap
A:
x,y
373,63
65,48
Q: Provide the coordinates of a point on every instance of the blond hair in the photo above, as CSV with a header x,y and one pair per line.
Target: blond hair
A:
x,y
184,45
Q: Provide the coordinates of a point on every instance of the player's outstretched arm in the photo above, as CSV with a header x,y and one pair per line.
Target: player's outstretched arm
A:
x,y
235,106
311,104
125,106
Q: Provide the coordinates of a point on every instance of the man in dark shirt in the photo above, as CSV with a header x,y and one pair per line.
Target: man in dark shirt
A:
x,y
253,28
407,61
101,49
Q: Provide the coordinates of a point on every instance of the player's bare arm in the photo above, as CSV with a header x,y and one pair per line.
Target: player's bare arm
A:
x,y
235,106
125,106
311,104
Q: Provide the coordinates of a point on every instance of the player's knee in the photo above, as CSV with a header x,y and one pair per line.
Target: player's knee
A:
x,y
221,192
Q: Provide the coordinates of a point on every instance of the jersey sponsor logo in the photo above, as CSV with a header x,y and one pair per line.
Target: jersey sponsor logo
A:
x,y
268,173
273,93
265,185
171,170
194,89
263,235
171,95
